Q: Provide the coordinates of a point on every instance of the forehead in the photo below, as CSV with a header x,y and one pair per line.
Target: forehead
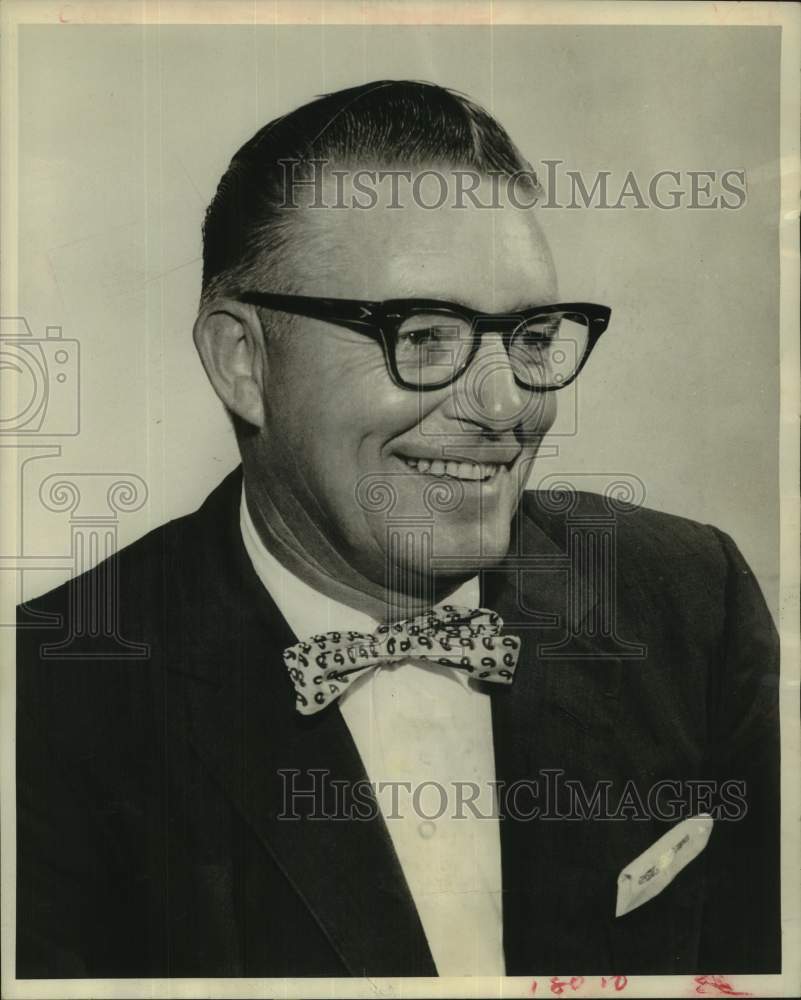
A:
x,y
492,258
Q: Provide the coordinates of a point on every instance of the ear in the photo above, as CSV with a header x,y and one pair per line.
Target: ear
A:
x,y
230,341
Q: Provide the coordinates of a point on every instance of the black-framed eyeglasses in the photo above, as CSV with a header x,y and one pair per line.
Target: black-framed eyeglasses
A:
x,y
429,343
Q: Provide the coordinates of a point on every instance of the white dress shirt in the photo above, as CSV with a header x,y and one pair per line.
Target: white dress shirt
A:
x,y
415,723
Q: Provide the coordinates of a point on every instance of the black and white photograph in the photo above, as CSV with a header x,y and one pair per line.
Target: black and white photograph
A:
x,y
400,499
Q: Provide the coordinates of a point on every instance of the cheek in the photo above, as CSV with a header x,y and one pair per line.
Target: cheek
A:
x,y
359,406
341,420
540,412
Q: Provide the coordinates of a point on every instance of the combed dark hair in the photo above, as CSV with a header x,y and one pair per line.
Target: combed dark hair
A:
x,y
386,122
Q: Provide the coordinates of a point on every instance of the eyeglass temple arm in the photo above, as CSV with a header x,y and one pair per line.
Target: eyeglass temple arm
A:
x,y
352,313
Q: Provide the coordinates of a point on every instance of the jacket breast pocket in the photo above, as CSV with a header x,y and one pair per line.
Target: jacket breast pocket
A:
x,y
662,936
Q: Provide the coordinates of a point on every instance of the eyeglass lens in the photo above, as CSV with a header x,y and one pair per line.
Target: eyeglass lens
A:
x,y
544,352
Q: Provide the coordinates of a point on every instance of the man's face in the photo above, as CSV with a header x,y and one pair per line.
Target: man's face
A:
x,y
364,459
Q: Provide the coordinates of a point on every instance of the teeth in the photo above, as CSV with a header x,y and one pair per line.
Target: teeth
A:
x,y
457,470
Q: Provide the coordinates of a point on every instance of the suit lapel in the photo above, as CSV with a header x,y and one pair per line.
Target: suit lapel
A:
x,y
560,715
557,720
244,727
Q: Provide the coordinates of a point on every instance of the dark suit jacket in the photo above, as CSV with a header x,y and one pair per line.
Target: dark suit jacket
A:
x,y
149,793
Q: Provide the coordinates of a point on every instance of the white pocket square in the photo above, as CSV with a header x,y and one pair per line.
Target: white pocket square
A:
x,y
656,867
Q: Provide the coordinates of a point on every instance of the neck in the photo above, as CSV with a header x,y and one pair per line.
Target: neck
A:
x,y
302,548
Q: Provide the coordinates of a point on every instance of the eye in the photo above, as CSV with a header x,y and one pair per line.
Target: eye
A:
x,y
418,337
430,347
541,333
421,335
538,337
432,330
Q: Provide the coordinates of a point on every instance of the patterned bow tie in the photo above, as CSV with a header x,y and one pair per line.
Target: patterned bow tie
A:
x,y
465,639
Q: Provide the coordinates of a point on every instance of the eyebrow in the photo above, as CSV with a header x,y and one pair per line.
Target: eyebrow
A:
x,y
522,305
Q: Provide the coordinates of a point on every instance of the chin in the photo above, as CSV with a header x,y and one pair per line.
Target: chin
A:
x,y
447,546
466,548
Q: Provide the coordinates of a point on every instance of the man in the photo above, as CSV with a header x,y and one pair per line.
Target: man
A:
x,y
391,360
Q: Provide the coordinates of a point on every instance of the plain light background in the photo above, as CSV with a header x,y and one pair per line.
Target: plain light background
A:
x,y
125,131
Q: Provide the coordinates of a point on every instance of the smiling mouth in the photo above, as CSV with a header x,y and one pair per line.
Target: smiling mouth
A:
x,y
474,471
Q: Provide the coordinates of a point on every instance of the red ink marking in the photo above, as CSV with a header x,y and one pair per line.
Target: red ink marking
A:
x,y
619,982
558,985
717,986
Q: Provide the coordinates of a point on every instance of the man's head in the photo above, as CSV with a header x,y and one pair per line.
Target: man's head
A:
x,y
363,474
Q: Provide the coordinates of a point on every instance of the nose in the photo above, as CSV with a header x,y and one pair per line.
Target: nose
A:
x,y
487,393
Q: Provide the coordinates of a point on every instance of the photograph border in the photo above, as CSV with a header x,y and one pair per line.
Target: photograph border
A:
x,y
15,13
